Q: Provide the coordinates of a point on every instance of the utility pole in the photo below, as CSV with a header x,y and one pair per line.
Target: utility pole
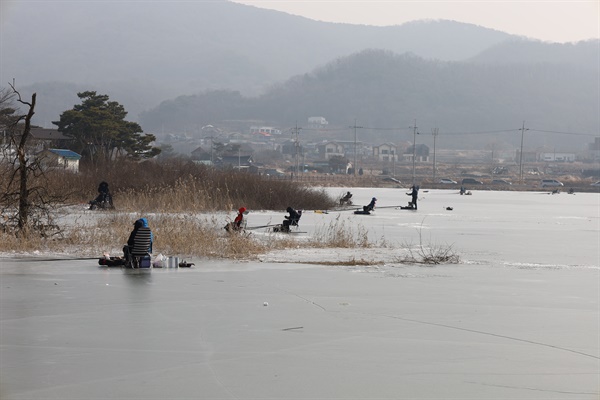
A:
x,y
435,132
355,127
296,130
521,154
492,159
414,150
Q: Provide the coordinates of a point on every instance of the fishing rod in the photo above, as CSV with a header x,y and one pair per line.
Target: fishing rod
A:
x,y
262,226
36,259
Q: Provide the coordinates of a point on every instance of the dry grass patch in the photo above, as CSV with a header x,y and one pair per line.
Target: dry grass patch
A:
x,y
11,243
202,236
177,234
340,233
179,185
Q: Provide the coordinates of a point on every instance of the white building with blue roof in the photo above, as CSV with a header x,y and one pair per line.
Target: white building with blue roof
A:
x,y
60,159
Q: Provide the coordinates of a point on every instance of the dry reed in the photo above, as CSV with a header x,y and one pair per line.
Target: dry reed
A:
x,y
179,185
340,233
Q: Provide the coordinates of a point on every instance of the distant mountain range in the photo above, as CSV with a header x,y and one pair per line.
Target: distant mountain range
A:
x,y
386,91
286,67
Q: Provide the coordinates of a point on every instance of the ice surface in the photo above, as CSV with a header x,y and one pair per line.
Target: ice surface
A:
x,y
499,228
518,318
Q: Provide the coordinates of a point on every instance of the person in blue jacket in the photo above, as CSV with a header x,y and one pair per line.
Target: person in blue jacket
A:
x,y
140,223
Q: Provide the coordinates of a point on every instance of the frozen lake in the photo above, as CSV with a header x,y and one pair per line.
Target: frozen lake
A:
x,y
499,228
518,318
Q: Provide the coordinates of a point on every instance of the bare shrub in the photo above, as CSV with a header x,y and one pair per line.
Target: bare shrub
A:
x,y
431,254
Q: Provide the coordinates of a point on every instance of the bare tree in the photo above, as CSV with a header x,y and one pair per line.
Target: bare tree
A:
x,y
25,204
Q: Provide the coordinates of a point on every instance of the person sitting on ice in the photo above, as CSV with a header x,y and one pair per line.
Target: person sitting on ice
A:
x,y
139,243
238,223
346,199
290,220
104,198
370,206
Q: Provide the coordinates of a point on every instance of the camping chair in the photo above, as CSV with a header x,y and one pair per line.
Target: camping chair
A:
x,y
230,227
286,227
140,249
346,199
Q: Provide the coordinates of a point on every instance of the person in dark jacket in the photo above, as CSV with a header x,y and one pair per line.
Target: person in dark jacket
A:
x,y
371,206
291,219
104,198
346,199
415,195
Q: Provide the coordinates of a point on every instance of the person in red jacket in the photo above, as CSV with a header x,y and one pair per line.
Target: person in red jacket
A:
x,y
238,222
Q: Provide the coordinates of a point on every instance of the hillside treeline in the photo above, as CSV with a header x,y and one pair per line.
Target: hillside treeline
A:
x,y
386,90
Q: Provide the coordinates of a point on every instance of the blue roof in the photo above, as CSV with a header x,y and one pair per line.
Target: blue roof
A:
x,y
65,153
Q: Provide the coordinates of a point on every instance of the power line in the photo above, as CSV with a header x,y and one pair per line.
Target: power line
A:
x,y
388,129
458,133
325,130
481,132
567,133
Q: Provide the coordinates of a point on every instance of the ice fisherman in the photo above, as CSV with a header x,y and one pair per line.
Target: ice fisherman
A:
x,y
140,236
104,198
370,206
415,195
238,222
345,199
291,219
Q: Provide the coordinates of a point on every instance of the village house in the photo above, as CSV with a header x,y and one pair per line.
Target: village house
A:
x,y
239,154
264,130
42,138
593,153
421,153
59,159
557,157
331,149
317,122
201,156
292,148
385,152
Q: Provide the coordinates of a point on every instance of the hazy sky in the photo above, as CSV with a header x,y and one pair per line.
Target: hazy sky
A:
x,y
555,21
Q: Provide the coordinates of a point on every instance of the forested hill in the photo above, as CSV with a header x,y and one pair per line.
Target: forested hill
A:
x,y
383,89
141,53
583,54
204,44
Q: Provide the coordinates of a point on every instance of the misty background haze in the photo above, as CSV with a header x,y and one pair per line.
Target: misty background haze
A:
x,y
179,66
